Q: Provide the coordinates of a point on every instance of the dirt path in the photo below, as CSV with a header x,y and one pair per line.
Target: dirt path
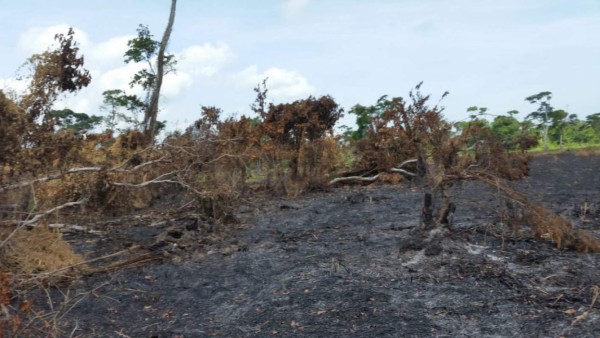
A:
x,y
350,263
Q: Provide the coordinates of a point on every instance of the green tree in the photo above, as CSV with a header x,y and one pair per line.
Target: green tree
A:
x,y
477,112
144,49
475,119
558,123
506,128
579,132
593,121
77,122
364,118
115,101
366,114
542,114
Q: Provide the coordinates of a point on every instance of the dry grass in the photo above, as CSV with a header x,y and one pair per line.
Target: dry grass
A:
x,y
36,250
587,152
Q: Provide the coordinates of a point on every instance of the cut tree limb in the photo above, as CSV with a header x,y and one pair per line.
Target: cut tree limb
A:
x,y
36,218
354,178
402,171
397,169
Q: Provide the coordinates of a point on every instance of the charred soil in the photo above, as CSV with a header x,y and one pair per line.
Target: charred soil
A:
x,y
352,262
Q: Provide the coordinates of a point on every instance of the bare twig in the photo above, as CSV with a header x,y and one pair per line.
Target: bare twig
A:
x,y
354,178
402,171
37,217
74,228
412,160
139,166
159,179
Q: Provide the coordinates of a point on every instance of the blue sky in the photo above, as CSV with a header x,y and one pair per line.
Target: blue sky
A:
x,y
484,52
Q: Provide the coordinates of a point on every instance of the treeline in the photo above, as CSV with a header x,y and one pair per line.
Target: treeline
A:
x,y
555,127
545,127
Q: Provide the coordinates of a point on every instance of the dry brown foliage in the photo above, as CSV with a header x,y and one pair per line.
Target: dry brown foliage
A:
x,y
211,159
295,146
544,223
477,154
413,130
587,152
36,250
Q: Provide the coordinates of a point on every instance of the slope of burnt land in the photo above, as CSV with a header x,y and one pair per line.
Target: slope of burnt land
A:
x,y
353,263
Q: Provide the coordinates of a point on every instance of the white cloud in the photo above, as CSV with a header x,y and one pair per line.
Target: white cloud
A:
x,y
293,7
12,84
37,40
283,84
207,59
80,104
112,49
109,72
119,78
175,83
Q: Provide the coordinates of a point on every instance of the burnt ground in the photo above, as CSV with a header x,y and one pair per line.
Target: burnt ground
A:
x,y
352,263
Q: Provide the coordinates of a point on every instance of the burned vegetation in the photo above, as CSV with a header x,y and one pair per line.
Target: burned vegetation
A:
x,y
142,202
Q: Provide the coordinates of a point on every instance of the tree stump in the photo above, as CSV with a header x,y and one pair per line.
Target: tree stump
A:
x,y
427,211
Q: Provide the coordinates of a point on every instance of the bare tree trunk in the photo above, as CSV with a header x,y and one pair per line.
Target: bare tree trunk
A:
x,y
152,110
545,136
560,142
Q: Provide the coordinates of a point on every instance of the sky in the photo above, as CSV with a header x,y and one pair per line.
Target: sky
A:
x,y
486,53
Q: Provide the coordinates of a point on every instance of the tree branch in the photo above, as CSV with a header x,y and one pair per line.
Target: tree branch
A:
x,y
50,177
373,178
402,171
37,217
58,175
354,178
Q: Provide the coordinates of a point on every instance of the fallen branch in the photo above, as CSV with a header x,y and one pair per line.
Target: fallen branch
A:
x,y
50,177
157,180
31,222
402,171
354,178
413,160
37,217
73,228
397,169
139,166
61,174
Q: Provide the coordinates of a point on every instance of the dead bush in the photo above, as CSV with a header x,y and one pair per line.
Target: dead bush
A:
x,y
212,158
296,147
